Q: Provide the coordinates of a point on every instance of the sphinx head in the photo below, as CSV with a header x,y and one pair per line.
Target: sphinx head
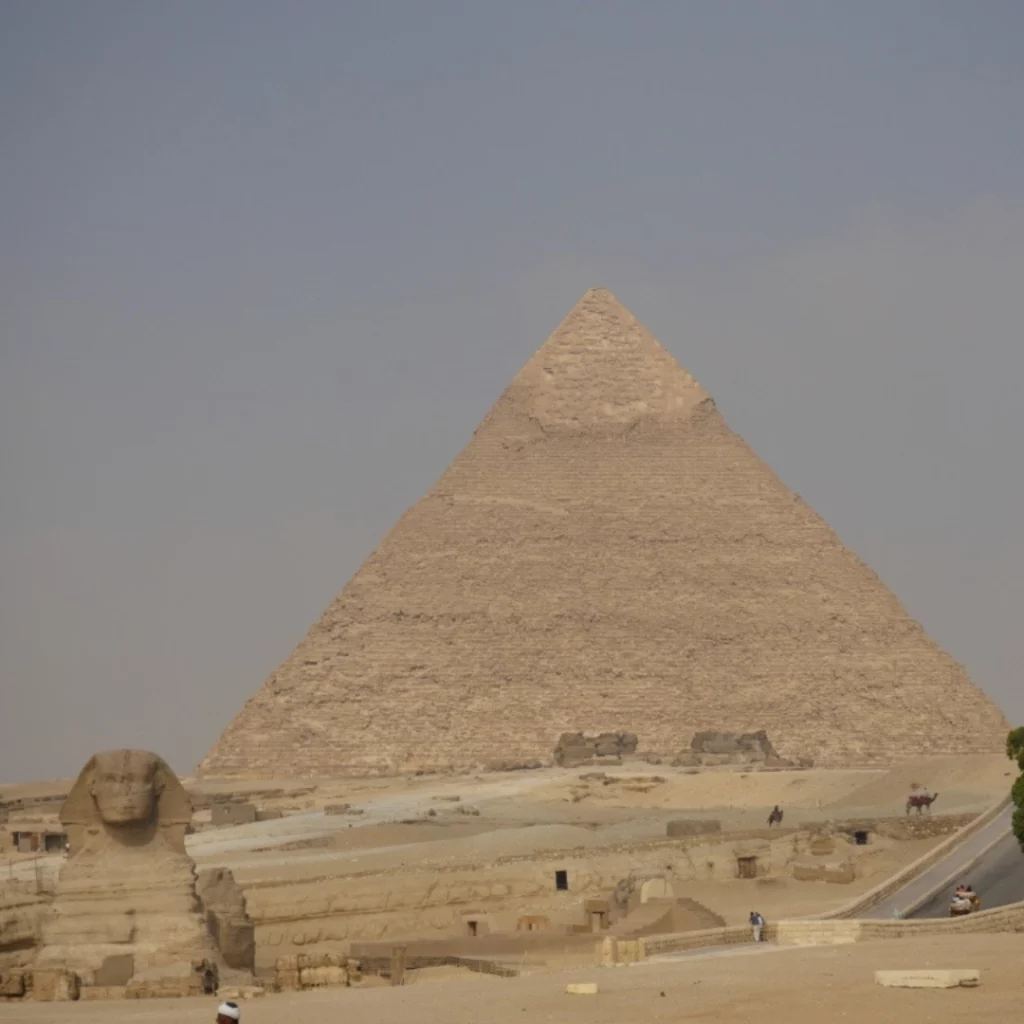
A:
x,y
125,786
130,796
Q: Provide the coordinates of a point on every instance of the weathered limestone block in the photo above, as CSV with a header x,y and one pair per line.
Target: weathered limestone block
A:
x,y
227,918
840,872
128,888
227,813
961,978
323,977
12,983
97,993
315,970
710,748
692,827
575,749
234,993
54,985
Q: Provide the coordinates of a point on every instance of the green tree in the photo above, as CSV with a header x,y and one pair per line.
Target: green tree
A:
x,y
1015,746
1015,752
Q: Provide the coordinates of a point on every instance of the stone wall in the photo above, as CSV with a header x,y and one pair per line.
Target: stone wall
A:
x,y
902,828
825,932
232,814
432,902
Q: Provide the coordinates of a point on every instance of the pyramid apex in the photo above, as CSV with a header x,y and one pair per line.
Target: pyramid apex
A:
x,y
601,367
571,574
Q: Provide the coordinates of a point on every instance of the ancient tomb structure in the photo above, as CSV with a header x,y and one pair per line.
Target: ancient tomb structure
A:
x,y
126,896
605,555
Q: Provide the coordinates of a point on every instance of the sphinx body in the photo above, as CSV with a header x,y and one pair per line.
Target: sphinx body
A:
x,y
128,886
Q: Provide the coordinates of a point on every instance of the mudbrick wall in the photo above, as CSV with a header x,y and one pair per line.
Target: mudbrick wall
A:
x,y
605,555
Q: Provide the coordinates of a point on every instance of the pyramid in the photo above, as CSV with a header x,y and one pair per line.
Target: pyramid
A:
x,y
605,555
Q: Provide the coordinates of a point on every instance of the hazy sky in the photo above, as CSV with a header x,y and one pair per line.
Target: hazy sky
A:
x,y
265,265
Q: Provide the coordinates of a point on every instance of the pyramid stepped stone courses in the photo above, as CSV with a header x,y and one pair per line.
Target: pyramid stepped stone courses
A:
x,y
605,555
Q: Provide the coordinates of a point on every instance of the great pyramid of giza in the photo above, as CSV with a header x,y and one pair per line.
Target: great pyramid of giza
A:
x,y
605,555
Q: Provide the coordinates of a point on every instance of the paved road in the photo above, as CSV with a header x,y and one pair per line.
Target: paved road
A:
x,y
957,862
998,880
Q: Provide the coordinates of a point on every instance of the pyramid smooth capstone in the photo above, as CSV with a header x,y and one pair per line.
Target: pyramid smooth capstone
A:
x,y
605,555
960,978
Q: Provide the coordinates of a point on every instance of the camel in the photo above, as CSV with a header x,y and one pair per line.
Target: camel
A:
x,y
921,801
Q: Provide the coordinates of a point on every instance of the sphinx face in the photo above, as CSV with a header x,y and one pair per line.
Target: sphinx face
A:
x,y
124,788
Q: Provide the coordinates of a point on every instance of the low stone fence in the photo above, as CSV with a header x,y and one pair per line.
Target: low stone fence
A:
x,y
302,971
834,932
839,932
903,827
682,942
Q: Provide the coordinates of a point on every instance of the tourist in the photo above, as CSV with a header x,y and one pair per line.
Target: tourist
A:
x,y
757,923
228,1013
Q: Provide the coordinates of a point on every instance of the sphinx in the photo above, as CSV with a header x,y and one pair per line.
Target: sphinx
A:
x,y
126,896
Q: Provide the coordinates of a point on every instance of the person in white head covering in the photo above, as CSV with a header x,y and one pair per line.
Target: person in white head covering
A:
x,y
228,1013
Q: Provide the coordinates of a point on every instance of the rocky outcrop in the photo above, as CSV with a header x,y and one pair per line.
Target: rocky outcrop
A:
x,y
574,749
226,917
718,748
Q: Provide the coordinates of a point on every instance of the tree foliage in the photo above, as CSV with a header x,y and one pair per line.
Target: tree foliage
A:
x,y
1015,746
1015,752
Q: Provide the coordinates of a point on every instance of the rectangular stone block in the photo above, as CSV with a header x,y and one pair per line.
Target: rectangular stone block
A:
x,y
54,985
959,978
12,983
323,977
101,993
287,981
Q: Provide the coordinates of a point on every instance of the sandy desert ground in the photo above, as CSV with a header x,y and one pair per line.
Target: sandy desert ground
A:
x,y
794,985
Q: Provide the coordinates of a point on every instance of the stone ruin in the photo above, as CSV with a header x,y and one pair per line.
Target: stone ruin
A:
x,y
302,971
127,917
693,827
711,748
575,750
